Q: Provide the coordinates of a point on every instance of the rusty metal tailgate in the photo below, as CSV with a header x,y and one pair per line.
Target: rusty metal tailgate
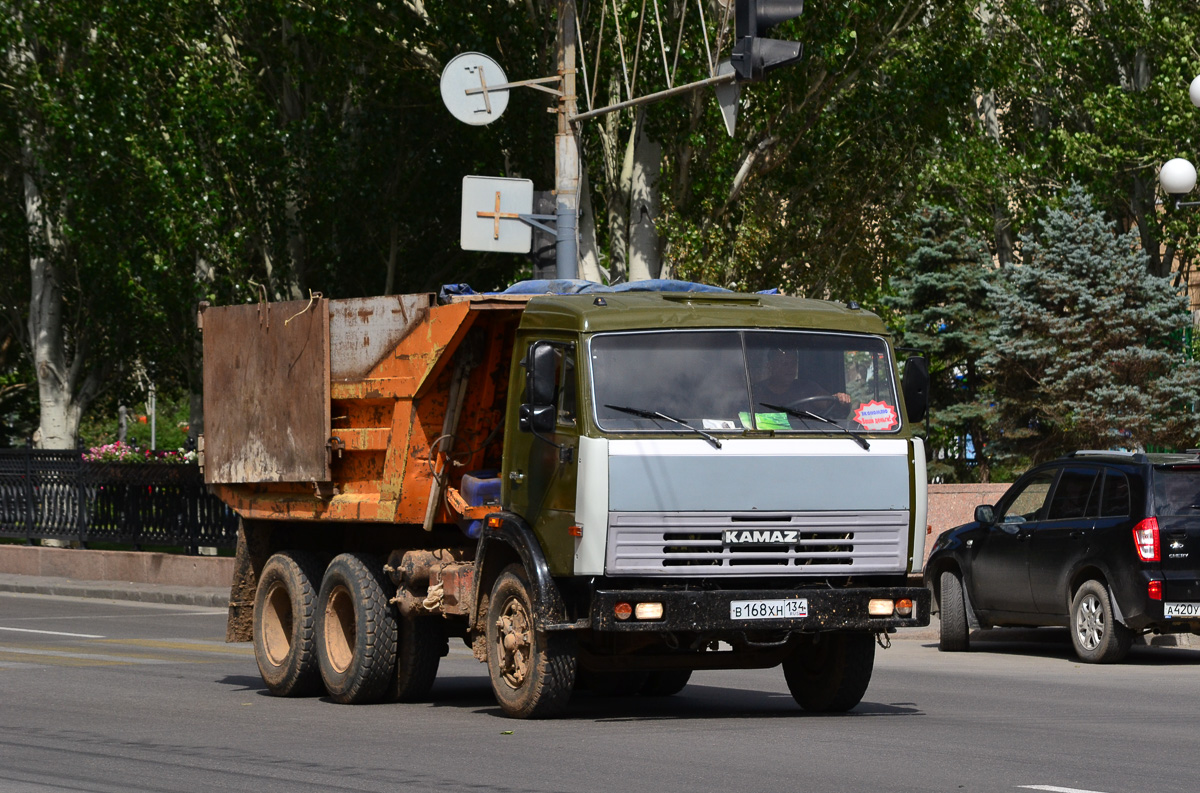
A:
x,y
266,392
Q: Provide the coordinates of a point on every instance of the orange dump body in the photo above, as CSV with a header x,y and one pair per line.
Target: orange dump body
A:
x,y
369,409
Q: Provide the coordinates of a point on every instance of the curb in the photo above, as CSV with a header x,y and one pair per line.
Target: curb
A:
x,y
212,597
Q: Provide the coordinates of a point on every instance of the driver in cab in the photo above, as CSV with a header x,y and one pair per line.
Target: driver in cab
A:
x,y
783,384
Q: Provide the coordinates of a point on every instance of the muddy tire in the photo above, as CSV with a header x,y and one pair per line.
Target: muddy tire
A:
x,y
832,673
284,632
356,630
666,683
532,672
420,645
954,634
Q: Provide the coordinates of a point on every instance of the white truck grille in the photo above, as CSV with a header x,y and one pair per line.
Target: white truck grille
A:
x,y
686,544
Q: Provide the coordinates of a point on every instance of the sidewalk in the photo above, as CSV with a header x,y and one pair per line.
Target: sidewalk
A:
x,y
142,576
216,597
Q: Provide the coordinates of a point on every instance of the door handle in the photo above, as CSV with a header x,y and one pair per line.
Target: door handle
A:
x,y
1076,535
516,477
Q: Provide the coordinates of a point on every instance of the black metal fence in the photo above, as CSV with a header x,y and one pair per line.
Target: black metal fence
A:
x,y
57,495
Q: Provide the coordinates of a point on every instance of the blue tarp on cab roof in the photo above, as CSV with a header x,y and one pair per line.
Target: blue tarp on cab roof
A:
x,y
565,286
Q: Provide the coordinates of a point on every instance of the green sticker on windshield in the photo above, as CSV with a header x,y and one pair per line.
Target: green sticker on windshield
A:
x,y
766,421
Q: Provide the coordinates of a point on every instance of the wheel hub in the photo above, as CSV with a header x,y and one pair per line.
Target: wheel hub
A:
x,y
513,642
1089,624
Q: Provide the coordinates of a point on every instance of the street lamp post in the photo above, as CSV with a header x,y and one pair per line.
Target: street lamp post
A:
x,y
1178,176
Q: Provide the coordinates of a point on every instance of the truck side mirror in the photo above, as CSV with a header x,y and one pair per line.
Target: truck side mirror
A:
x,y
539,367
536,418
985,514
916,387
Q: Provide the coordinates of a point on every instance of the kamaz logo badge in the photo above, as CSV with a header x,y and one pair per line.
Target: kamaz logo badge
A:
x,y
776,537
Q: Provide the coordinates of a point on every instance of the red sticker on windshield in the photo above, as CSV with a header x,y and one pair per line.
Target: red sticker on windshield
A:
x,y
876,416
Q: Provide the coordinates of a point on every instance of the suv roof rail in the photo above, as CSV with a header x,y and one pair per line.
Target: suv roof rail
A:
x,y
1138,457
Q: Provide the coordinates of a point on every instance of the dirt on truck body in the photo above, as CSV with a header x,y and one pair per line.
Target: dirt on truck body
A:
x,y
596,487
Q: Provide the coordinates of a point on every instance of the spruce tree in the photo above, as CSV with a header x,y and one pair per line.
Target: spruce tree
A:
x,y
1089,349
941,296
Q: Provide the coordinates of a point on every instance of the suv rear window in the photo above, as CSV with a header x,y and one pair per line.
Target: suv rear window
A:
x,y
1177,490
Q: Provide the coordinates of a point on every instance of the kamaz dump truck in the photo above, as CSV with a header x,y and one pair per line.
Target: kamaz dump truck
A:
x,y
605,489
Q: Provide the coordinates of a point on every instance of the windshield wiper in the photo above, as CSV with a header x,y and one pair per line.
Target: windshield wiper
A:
x,y
654,414
804,414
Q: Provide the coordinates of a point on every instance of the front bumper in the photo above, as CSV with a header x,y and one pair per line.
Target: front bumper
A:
x,y
710,610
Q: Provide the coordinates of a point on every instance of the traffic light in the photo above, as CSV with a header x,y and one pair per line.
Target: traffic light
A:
x,y
753,55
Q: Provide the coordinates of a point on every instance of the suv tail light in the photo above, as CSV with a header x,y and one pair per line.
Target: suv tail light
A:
x,y
1145,537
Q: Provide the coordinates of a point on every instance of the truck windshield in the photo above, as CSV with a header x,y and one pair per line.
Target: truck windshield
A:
x,y
731,380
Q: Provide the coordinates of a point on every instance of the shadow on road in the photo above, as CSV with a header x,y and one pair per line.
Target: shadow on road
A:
x,y
245,683
1056,643
695,702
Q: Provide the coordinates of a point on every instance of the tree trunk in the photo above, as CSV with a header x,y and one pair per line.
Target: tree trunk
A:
x,y
59,411
589,253
618,214
393,249
986,102
645,259
205,275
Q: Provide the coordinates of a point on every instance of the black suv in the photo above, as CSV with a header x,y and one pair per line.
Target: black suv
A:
x,y
1104,543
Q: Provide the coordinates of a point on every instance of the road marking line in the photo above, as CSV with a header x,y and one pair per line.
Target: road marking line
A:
x,y
188,646
38,652
1053,789
54,633
9,660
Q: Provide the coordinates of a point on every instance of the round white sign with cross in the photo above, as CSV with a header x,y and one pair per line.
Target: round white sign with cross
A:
x,y
465,91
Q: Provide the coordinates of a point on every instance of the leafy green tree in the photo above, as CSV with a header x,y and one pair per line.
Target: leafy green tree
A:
x,y
941,299
827,151
1063,92
1089,347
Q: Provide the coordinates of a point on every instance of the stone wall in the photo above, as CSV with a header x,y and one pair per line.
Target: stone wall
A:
x,y
953,505
135,567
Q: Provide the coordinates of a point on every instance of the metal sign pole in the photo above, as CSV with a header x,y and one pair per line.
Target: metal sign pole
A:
x,y
566,149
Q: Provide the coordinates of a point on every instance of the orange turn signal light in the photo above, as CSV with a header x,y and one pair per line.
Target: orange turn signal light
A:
x,y
575,531
904,607
495,522
623,611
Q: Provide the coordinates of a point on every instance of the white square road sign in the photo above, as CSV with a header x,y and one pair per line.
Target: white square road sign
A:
x,y
490,206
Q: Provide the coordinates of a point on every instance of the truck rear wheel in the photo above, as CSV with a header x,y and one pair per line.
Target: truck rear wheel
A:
x,y
830,672
285,606
532,672
356,630
419,649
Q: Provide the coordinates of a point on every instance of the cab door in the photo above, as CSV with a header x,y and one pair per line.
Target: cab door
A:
x,y
541,463
999,558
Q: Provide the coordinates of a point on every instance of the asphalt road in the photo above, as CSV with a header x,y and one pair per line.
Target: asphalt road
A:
x,y
105,696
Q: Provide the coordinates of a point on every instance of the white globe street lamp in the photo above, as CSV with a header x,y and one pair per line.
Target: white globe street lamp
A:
x,y
1178,176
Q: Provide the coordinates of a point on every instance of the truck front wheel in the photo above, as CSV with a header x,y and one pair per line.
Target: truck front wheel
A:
x,y
532,672
830,672
285,606
356,630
